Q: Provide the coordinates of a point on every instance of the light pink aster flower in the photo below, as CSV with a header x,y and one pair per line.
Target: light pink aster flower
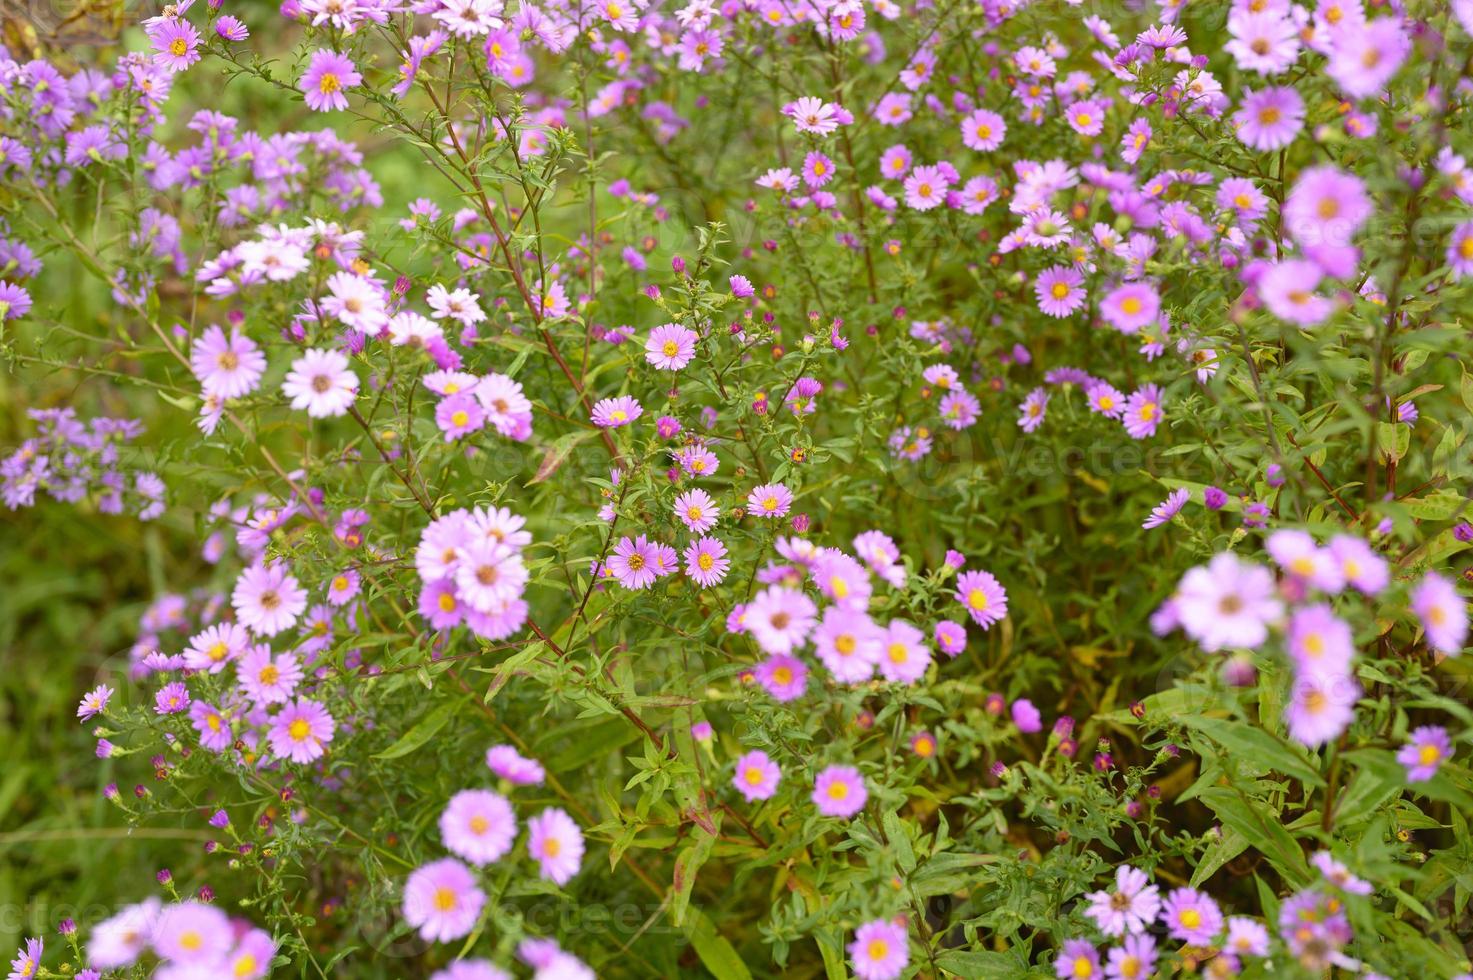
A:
x,y
1426,749
904,655
633,563
1192,917
227,367
1270,118
1033,410
849,644
783,676
771,500
1130,909
511,765
192,933
478,825
611,413
696,510
556,844
1364,56
267,598
1297,553
839,791
984,597
880,950
670,347
301,731
780,619
1443,612
442,900
327,75
175,44
1163,512
215,646
1228,603
1142,412
756,776
1321,707
706,562
268,678
321,382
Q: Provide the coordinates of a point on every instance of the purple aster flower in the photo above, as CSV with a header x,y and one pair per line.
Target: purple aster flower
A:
x,y
1142,413
1270,118
1033,410
783,676
1163,512
175,44
1192,917
984,597
839,791
327,75
171,699
1130,909
756,776
1424,752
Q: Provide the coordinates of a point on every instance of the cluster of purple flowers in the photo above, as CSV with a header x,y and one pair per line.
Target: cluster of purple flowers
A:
x,y
74,461
1313,927
443,900
1234,604
471,564
179,941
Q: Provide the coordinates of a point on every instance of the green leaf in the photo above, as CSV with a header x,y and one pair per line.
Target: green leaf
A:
x,y
687,865
1257,746
1262,828
900,841
833,956
1393,439
422,732
717,955
558,453
981,964
1378,778
1223,850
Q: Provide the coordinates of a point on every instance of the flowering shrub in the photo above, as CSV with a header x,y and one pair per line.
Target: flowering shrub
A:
x,y
944,489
